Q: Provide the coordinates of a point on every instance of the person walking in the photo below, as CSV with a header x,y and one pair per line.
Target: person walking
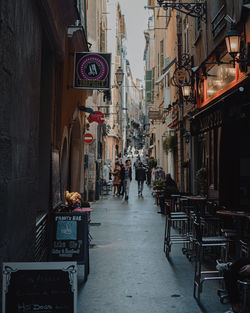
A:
x,y
116,178
105,175
140,177
120,186
136,163
127,178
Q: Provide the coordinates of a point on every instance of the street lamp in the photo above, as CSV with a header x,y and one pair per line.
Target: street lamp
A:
x,y
119,76
236,49
186,90
232,39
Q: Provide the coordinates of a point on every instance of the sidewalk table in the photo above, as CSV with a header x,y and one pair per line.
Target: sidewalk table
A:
x,y
238,218
199,204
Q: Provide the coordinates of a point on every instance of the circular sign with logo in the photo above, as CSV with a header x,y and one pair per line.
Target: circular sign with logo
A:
x,y
92,67
88,138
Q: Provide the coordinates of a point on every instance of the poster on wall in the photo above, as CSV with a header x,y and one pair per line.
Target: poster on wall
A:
x,y
39,287
92,70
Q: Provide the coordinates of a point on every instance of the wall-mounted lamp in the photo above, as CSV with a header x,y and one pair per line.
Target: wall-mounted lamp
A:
x,y
119,76
233,43
194,9
186,90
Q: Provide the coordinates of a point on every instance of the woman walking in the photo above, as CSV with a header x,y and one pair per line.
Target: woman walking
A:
x,y
116,178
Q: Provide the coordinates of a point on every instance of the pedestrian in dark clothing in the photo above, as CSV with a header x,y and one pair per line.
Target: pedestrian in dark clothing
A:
x,y
140,177
120,186
170,187
239,270
127,178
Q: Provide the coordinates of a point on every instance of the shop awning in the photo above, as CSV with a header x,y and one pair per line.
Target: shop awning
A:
x,y
166,70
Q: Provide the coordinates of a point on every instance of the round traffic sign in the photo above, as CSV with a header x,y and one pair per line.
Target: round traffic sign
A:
x,y
88,138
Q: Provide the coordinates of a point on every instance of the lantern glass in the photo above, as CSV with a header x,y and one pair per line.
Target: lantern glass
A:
x,y
119,76
233,42
186,90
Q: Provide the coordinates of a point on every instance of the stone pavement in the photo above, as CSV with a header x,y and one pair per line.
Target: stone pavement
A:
x,y
129,272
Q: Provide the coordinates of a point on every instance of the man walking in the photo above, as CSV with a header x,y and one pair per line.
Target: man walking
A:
x,y
127,178
140,176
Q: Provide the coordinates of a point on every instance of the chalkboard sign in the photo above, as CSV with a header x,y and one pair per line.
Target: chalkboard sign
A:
x,y
40,287
69,237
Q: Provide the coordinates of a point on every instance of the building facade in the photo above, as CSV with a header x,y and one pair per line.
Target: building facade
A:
x,y
209,120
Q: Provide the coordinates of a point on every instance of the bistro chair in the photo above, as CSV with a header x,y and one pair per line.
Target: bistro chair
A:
x,y
201,243
244,288
171,238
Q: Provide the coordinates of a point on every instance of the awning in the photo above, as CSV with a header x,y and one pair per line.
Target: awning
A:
x,y
166,70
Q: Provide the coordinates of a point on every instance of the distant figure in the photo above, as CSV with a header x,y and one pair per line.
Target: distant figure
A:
x,y
136,163
120,186
170,186
116,179
127,178
140,177
105,173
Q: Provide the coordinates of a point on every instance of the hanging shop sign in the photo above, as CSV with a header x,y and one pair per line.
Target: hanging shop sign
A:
x,y
88,138
92,70
154,115
40,287
97,117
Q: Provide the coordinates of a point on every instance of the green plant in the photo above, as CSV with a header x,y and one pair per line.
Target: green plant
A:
x,y
169,143
159,183
202,183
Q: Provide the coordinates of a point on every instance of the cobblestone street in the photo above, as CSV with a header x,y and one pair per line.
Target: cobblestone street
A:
x,y
129,272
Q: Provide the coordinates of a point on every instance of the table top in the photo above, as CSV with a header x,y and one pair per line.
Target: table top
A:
x,y
82,210
233,213
195,198
175,196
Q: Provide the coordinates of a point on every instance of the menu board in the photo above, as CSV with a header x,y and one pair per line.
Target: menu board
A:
x,y
69,234
39,287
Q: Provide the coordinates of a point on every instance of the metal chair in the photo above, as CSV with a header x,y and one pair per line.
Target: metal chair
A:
x,y
177,238
244,287
200,276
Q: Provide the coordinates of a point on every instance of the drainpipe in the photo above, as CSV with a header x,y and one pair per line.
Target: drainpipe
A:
x,y
179,53
85,16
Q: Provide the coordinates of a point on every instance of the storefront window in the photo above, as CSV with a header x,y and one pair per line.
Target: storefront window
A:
x,y
220,76
201,89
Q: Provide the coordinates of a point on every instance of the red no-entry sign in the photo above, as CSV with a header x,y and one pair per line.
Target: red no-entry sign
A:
x,y
88,138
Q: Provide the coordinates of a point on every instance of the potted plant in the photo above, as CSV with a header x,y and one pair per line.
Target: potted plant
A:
x,y
169,143
159,184
72,200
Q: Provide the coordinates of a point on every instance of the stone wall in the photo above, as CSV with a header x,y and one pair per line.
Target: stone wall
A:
x,y
20,71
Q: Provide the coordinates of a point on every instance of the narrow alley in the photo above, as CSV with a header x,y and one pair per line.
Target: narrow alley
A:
x,y
129,272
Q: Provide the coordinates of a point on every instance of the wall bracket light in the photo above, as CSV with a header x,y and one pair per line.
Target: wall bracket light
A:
x,y
236,48
194,9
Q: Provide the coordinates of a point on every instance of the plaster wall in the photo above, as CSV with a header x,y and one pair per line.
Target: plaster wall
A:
x,y
20,72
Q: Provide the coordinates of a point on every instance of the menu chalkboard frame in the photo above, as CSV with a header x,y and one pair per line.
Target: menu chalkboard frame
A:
x,y
80,234
11,268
